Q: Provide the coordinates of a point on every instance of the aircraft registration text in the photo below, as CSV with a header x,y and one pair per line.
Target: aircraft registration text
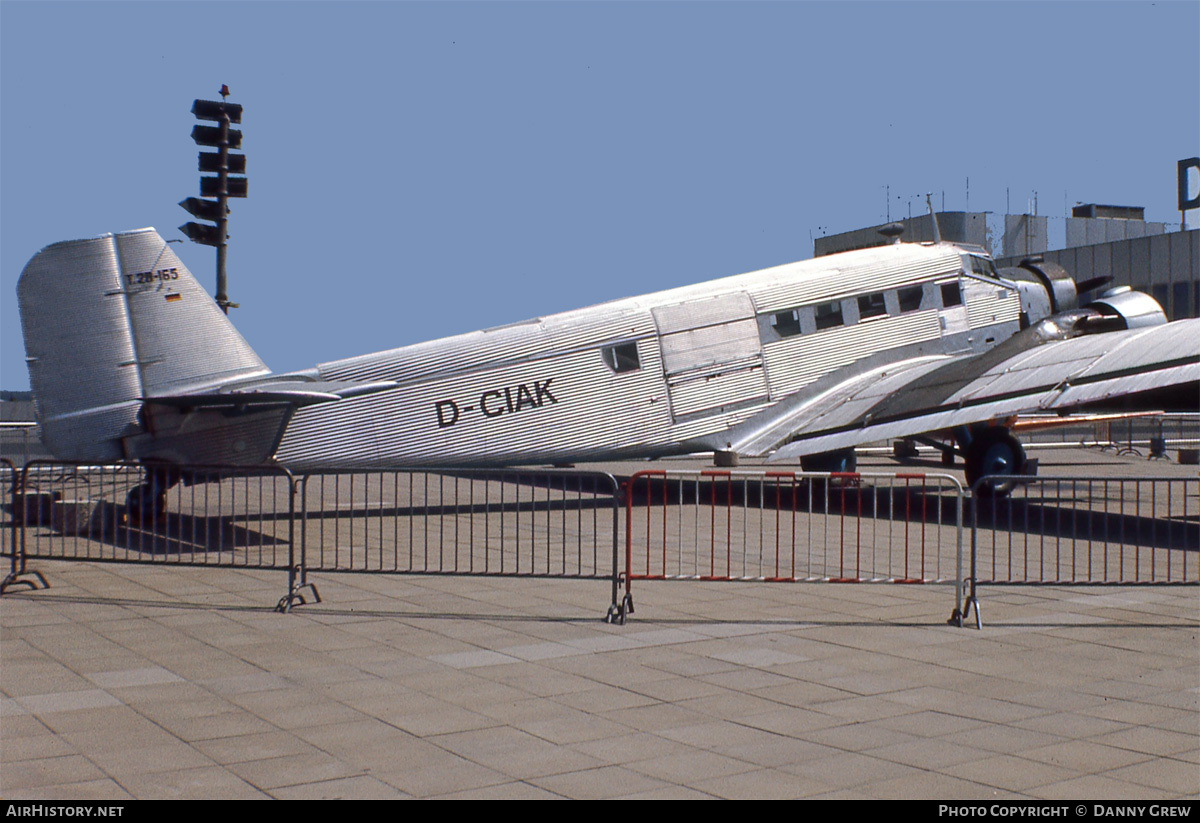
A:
x,y
497,402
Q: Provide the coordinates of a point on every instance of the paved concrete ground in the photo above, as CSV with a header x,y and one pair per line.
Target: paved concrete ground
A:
x,y
124,681
140,681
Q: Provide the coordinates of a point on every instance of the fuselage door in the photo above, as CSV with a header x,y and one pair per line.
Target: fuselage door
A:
x,y
953,315
712,355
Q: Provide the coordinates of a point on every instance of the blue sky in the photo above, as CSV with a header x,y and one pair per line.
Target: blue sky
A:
x,y
422,169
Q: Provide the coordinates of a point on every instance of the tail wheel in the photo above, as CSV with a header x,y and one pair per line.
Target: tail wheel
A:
x,y
994,452
146,503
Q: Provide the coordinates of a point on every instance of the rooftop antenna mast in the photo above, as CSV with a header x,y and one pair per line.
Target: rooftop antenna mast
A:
x,y
937,234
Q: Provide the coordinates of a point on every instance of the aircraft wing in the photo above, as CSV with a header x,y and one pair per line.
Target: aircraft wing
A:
x,y
936,393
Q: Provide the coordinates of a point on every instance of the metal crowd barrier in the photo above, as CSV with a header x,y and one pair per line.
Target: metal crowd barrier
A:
x,y
18,573
793,527
19,440
701,525
472,522
1098,531
506,522
199,516
1151,435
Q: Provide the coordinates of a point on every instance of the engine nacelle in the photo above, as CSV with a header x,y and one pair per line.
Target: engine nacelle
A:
x,y
1135,309
1116,309
1049,297
1045,288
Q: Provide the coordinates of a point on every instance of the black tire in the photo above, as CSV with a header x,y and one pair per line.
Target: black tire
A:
x,y
994,452
843,461
146,504
138,504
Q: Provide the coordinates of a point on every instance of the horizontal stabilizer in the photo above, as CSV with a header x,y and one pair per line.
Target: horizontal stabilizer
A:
x,y
273,393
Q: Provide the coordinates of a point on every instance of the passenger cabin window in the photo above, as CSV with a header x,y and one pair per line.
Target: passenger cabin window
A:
x,y
622,358
871,305
910,299
951,295
786,323
829,315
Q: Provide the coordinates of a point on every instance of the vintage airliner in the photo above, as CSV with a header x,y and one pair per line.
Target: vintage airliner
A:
x,y
130,358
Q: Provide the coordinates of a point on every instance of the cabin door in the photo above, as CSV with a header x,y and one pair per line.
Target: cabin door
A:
x,y
712,355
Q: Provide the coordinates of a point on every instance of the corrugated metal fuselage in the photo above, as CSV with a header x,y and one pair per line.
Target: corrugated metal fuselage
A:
x,y
654,375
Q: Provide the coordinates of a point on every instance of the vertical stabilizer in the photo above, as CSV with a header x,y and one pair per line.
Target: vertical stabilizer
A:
x,y
110,321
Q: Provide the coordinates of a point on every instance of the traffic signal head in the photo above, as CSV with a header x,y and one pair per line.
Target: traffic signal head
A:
x,y
199,233
203,209
211,136
212,110
211,162
234,186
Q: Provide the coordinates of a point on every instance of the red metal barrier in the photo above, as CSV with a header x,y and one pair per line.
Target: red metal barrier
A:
x,y
780,526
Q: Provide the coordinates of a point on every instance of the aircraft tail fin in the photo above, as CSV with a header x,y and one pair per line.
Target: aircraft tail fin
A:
x,y
110,323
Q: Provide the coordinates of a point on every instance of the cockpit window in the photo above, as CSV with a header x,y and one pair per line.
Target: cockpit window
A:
x,y
983,267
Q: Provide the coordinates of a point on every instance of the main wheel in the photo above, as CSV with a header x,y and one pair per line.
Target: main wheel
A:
x,y
821,490
994,452
843,461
